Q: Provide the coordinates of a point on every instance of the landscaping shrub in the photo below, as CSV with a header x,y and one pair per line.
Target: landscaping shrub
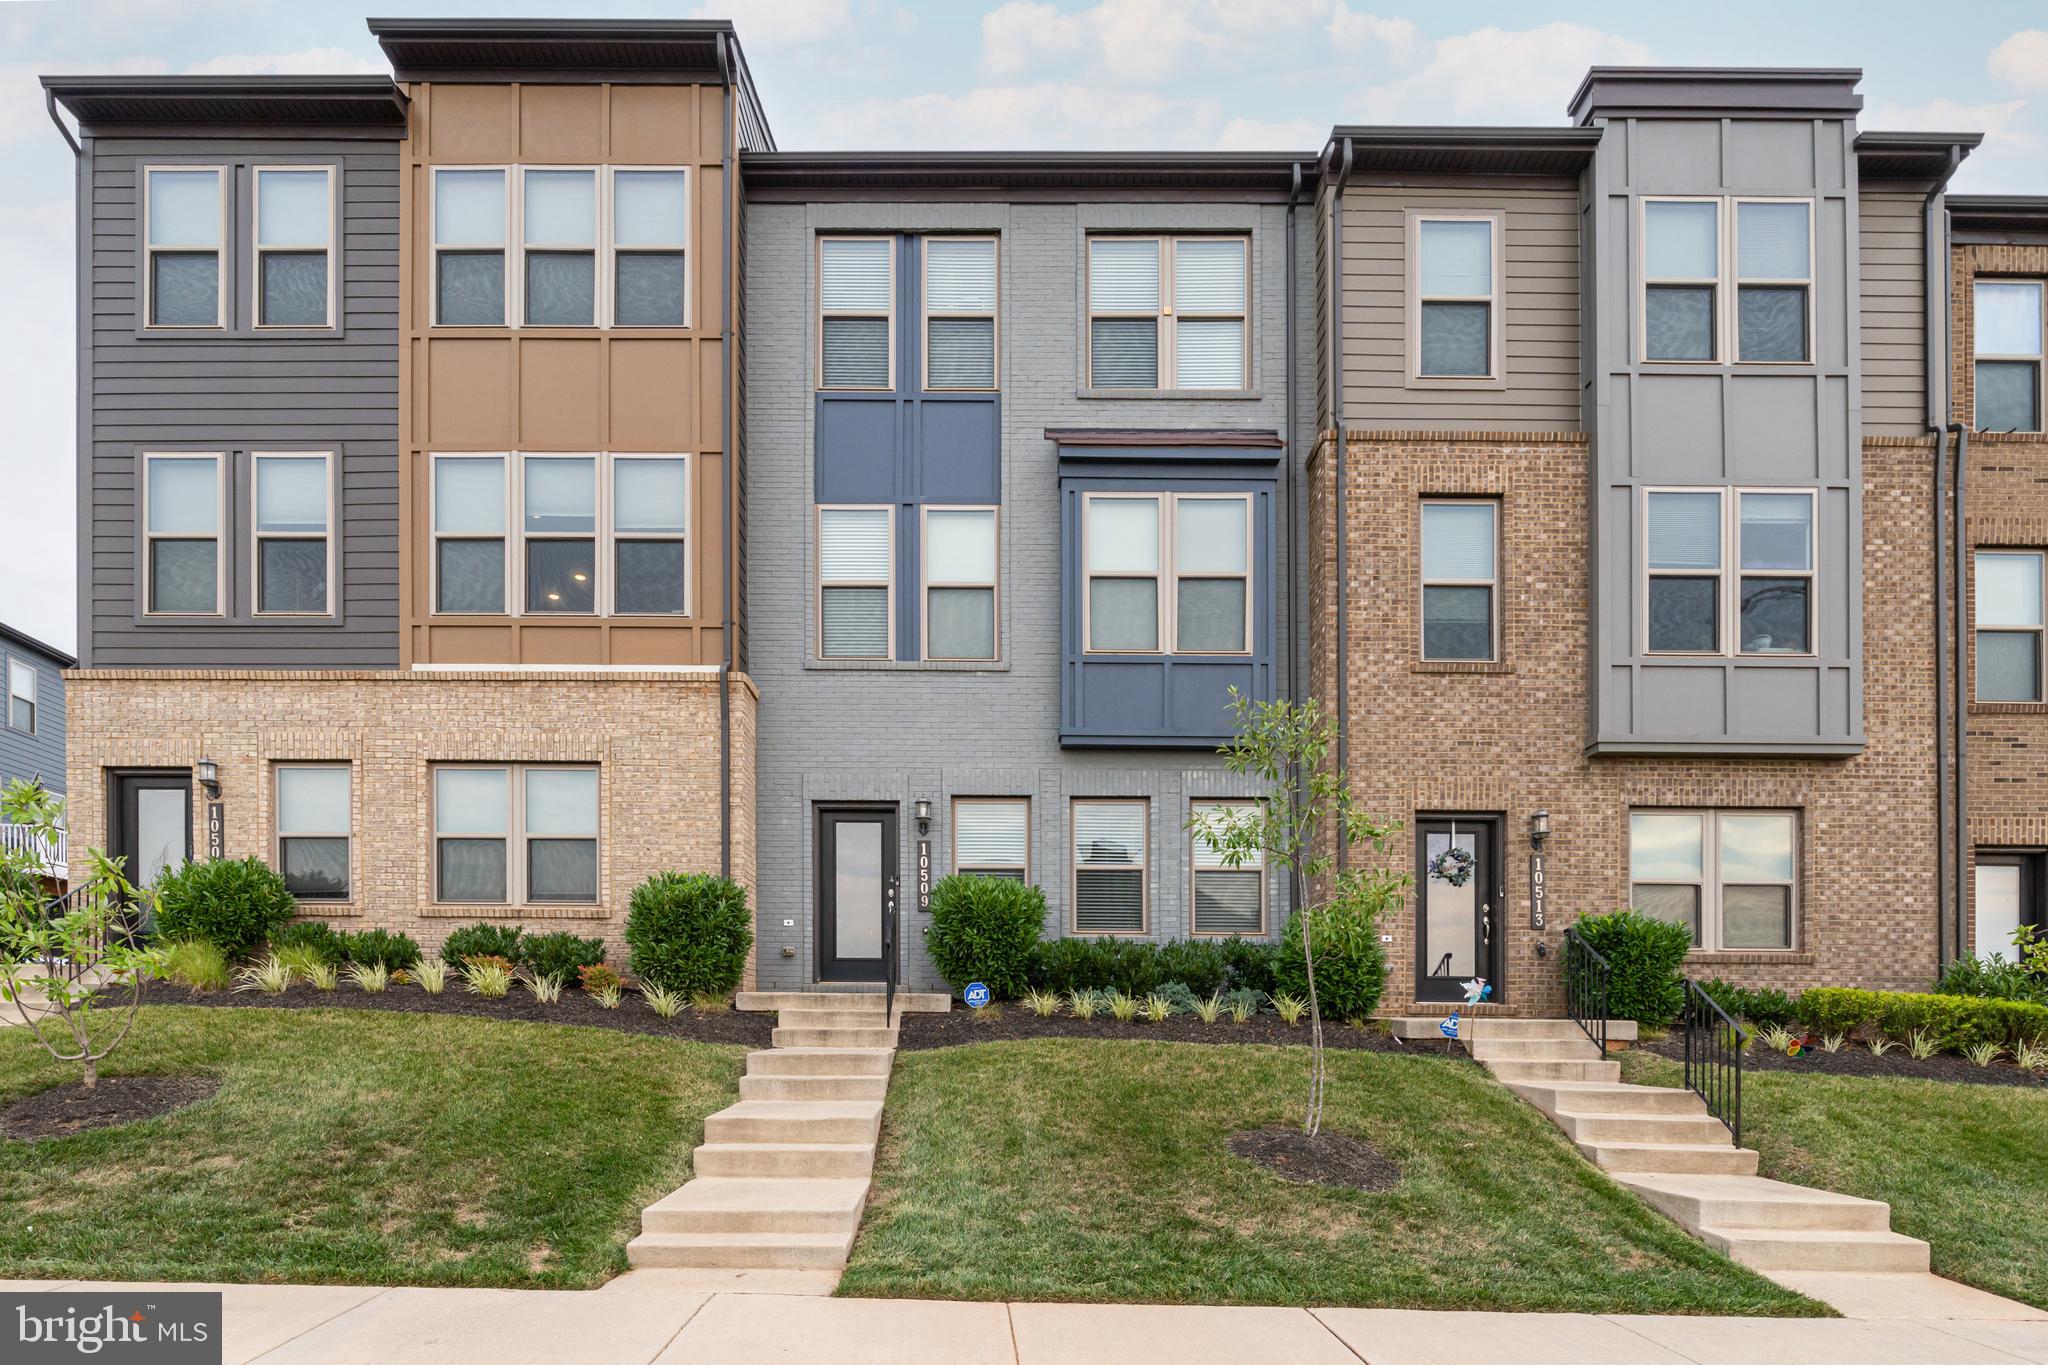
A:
x,y
197,964
233,903
310,935
1993,978
1351,963
984,929
689,932
1762,1009
1200,964
1179,999
1137,967
1954,1022
1644,954
380,948
1249,964
481,940
560,955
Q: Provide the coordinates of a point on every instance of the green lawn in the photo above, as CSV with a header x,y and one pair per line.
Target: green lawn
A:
x,y
1084,1170
363,1148
1964,1167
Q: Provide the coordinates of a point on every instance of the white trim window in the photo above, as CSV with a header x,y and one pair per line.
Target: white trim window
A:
x,y
550,812
1684,560
960,309
294,240
857,313
1169,313
472,223
1774,281
856,582
1455,296
184,572
1166,573
1727,279
293,544
1689,544
315,816
21,695
650,522
1681,273
1224,900
185,218
1774,607
650,240
558,246
992,837
470,517
1112,866
1729,876
558,534
2009,625
961,552
2008,326
1460,579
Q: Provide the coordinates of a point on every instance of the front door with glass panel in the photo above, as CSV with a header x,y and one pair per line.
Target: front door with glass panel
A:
x,y
153,831
1459,905
856,890
2005,896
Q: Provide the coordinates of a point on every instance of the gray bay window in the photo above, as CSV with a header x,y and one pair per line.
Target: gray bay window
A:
x,y
1681,278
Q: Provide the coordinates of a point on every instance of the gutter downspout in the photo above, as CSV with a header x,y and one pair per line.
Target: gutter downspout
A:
x,y
726,457
1292,691
81,377
1336,362
1935,322
1960,674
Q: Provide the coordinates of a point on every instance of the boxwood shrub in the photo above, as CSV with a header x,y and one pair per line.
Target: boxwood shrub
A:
x,y
1645,955
481,940
984,929
689,932
313,934
1140,967
373,946
560,955
235,904
1351,963
1953,1021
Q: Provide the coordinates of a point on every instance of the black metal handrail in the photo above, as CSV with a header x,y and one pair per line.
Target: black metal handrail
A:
x,y
1588,982
1714,1044
889,971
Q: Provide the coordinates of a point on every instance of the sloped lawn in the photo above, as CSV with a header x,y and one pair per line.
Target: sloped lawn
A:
x,y
350,1147
1082,1170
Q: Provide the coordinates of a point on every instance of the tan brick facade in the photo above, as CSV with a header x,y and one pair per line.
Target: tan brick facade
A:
x,y
653,736
1508,737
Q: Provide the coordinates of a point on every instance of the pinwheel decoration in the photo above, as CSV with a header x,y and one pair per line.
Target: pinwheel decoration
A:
x,y
1476,990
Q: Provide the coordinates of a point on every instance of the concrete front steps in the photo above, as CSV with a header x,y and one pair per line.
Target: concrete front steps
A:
x,y
782,1176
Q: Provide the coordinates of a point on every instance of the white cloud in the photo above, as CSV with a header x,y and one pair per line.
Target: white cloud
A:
x,y
2009,161
781,23
1045,114
312,61
1272,135
36,518
2021,61
1147,42
1398,38
1495,75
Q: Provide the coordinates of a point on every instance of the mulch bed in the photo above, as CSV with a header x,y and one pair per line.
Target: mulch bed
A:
x,y
71,1108
920,1032
632,1015
1857,1060
1325,1159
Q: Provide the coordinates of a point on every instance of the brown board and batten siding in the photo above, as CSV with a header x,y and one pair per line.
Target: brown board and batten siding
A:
x,y
1892,242
239,391
566,389
1540,301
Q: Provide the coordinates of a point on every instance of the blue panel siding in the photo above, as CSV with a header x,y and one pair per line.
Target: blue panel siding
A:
x,y
39,755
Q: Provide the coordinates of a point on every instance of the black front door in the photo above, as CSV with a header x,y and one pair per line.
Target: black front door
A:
x,y
152,825
1460,911
856,891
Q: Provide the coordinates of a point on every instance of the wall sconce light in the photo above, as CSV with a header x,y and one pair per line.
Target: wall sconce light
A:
x,y
1539,827
209,775
924,817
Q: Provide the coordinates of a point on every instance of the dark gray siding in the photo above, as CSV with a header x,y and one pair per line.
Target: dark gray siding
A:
x,y
239,392
41,754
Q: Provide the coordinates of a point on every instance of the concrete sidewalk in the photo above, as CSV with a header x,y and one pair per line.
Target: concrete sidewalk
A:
x,y
664,1317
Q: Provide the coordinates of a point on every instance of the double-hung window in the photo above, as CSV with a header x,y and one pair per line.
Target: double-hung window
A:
x,y
181,520
1773,280
1687,553
2009,625
992,838
856,582
469,534
1460,580
1681,279
294,510
650,233
558,217
960,294
960,553
314,825
1729,876
294,236
856,312
21,695
184,233
471,221
1774,533
1697,293
515,835
1167,573
1111,866
1224,899
2008,316
1169,312
558,527
650,517
1456,322
1685,536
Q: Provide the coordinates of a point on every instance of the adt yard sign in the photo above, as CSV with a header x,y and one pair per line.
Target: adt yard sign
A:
x,y
976,995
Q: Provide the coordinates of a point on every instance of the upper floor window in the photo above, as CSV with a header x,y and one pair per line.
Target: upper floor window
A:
x,y
21,695
470,217
960,294
1729,876
1460,579
1111,866
185,234
856,582
992,838
181,524
1773,280
1689,279
2009,328
294,547
1167,573
960,555
294,239
1169,312
2009,625
857,312
1224,899
314,826
515,834
650,244
558,219
1456,318
1689,543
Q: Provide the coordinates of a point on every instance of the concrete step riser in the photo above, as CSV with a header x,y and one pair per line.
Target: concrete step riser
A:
x,y
1534,1050
1637,1128
721,1129
1508,1072
916,1002
1672,1159
836,1019
750,1220
1779,1215
836,1062
1521,1030
652,1251
814,1087
1902,1255
836,1162
834,1037
1635,1099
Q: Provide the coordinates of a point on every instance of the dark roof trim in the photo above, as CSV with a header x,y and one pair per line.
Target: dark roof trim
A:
x,y
15,637
1127,438
1999,210
298,101
1395,150
1716,91
1912,156
946,170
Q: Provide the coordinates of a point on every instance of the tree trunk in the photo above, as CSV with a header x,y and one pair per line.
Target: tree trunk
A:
x,y
92,1071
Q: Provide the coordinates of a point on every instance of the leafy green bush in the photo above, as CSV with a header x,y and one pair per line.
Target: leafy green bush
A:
x,y
1351,963
1644,954
380,947
984,929
1954,1022
1139,967
1993,978
1762,1009
559,955
235,904
1179,999
313,936
481,940
1249,964
1200,964
689,932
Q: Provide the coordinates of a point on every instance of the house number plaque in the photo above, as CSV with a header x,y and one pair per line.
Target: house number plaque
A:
x,y
924,875
1539,892
216,831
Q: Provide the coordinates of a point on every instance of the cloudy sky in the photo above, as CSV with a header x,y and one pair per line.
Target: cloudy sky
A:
x,y
970,74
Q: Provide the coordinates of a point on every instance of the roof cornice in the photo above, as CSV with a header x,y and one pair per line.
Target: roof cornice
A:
x,y
351,100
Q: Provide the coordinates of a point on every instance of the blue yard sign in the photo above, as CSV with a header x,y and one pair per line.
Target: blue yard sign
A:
x,y
1449,1027
976,995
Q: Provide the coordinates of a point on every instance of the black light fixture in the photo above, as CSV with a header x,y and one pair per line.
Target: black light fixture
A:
x,y
209,775
924,816
1539,827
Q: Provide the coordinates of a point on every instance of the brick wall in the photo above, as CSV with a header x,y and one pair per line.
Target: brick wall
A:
x,y
654,738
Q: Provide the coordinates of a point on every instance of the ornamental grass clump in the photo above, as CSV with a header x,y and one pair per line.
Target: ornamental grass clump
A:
x,y
1984,1053
270,976
373,978
321,976
546,987
429,974
1044,1004
487,975
664,1002
1208,1011
1290,1008
710,1002
1157,1008
1082,1004
198,964
1123,1008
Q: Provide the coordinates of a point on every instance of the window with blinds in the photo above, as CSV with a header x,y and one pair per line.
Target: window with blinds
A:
x,y
1681,279
1168,312
1225,899
2007,325
1683,534
1166,573
960,583
960,312
1773,279
992,838
1455,296
856,312
1460,578
1110,866
854,582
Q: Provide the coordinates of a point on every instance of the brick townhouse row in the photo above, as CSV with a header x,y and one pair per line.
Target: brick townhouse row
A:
x,y
505,480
